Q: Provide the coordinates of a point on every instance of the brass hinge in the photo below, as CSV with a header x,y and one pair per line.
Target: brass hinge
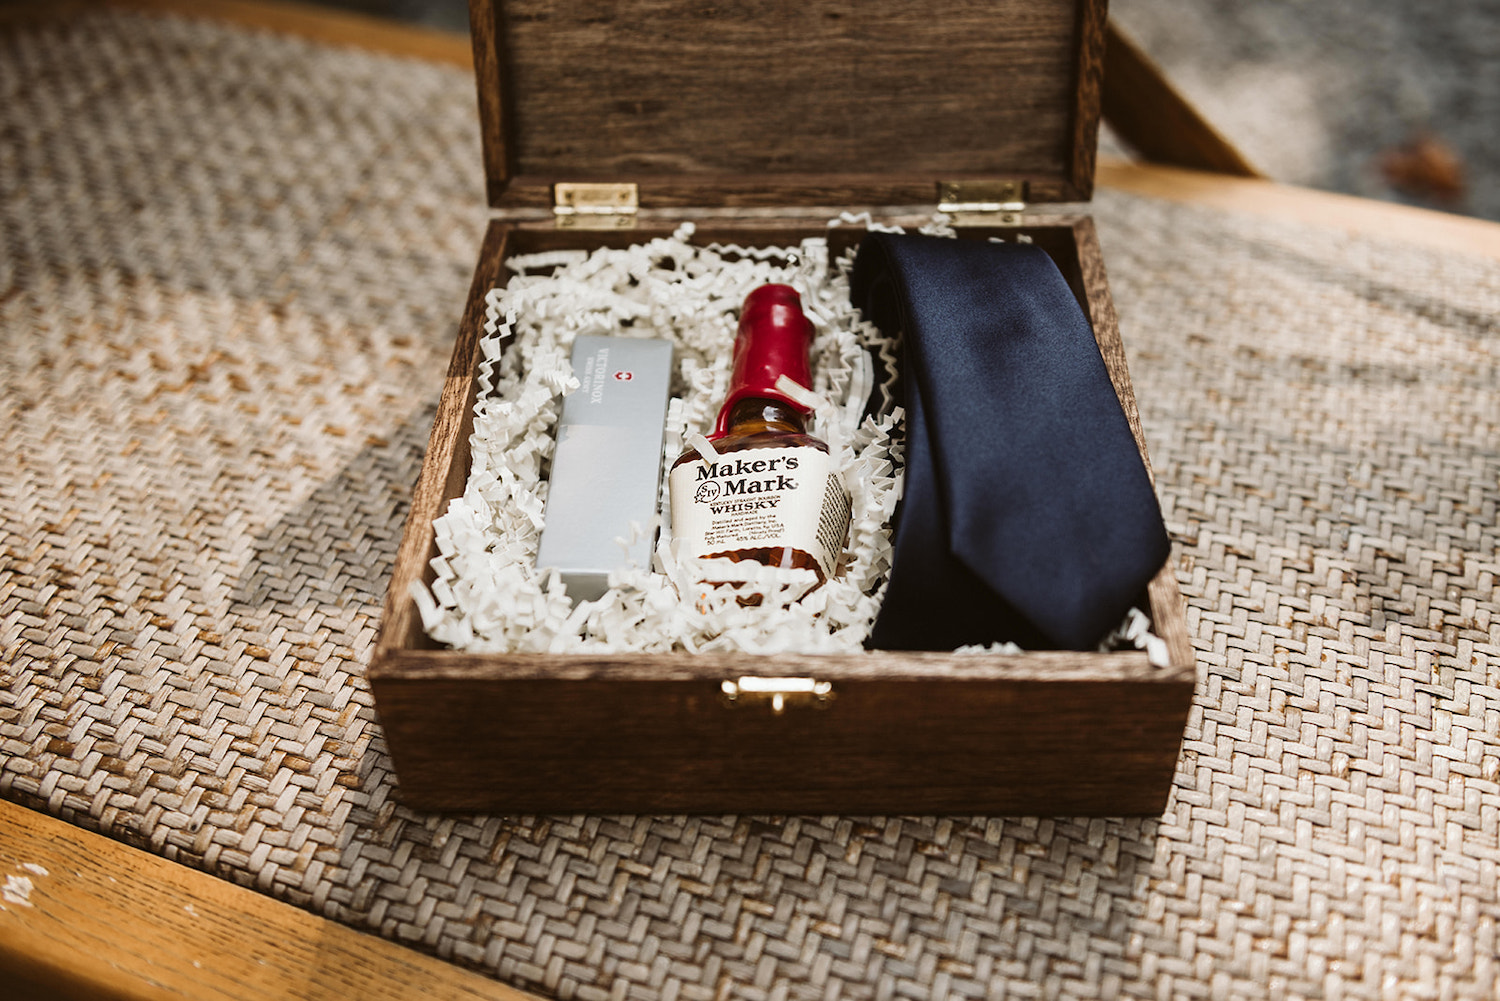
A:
x,y
982,203
595,206
778,693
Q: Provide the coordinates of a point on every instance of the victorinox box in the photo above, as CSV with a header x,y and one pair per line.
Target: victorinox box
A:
x,y
611,124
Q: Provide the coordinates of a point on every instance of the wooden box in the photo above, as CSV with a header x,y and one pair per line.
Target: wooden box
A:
x,y
759,119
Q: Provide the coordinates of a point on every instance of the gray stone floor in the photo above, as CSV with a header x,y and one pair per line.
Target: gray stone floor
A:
x,y
1326,94
1333,95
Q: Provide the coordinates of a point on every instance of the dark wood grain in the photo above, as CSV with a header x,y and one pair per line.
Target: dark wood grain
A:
x,y
1163,598
662,92
874,665
1088,82
831,192
1100,307
1048,732
751,108
1167,621
445,467
486,35
1076,747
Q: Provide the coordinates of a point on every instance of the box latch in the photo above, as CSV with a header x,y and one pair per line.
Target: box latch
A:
x,y
778,693
577,205
982,203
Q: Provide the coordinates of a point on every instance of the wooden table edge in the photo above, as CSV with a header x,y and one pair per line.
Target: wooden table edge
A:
x,y
83,916
1290,203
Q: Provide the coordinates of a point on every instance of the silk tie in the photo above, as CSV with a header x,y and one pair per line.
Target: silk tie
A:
x,y
1027,513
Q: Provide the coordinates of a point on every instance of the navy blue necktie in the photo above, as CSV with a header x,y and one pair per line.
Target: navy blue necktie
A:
x,y
1027,513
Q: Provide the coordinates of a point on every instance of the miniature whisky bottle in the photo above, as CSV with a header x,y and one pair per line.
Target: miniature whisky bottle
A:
x,y
773,494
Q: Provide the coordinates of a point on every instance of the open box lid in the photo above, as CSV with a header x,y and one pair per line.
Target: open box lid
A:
x,y
777,103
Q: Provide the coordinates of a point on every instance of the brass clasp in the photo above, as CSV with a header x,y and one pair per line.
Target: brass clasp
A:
x,y
779,693
578,205
982,203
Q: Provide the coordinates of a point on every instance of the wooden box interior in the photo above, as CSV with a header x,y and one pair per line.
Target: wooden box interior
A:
x,y
1052,732
773,103
743,116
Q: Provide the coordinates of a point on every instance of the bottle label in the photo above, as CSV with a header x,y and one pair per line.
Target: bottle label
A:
x,y
763,498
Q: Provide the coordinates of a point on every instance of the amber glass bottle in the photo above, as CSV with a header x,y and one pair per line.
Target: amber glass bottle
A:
x,y
773,494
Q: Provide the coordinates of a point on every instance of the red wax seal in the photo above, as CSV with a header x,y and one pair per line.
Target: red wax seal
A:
x,y
774,339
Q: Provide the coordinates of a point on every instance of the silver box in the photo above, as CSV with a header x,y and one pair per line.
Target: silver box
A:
x,y
606,470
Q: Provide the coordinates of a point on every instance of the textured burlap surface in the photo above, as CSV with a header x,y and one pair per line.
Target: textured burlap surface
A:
x,y
230,270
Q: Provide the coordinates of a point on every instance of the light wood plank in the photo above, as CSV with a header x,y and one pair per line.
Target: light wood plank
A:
x,y
1402,223
103,920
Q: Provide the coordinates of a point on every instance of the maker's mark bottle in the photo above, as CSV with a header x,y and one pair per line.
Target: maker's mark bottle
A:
x,y
773,495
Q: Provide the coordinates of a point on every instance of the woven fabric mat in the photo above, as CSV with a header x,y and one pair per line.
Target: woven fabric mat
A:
x,y
230,271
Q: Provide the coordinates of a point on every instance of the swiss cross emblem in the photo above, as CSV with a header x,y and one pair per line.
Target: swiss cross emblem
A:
x,y
624,376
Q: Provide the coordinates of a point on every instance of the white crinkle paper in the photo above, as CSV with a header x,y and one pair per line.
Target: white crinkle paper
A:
x,y
488,596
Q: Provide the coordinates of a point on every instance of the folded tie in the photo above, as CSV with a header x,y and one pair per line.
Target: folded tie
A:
x,y
1027,513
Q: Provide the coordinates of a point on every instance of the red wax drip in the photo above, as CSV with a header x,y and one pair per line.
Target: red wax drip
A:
x,y
774,339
